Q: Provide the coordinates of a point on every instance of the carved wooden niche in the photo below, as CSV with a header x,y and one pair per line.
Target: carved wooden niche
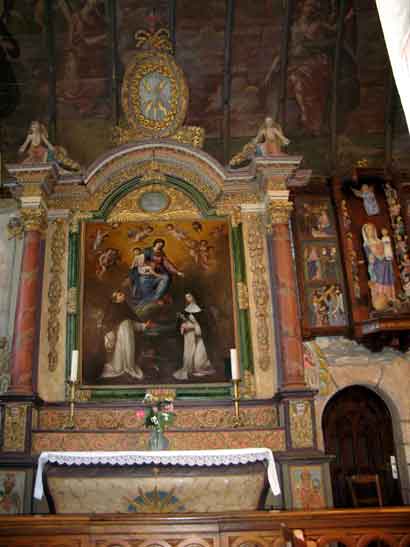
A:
x,y
320,273
376,256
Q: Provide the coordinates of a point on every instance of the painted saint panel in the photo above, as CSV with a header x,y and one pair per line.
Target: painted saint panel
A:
x,y
12,488
320,271
157,303
307,487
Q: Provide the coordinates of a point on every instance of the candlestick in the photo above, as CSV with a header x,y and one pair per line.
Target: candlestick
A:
x,y
235,368
70,424
236,420
74,365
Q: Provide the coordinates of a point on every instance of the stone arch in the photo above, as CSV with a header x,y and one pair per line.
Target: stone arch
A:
x,y
192,170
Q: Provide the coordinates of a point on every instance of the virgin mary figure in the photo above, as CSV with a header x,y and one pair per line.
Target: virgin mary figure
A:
x,y
195,358
380,268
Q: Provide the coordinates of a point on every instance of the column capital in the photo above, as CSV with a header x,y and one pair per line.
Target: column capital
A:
x,y
34,218
279,211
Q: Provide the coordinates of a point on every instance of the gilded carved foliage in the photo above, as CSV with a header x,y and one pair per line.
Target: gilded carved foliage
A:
x,y
186,419
279,211
259,287
33,219
301,424
178,205
55,291
72,300
132,171
15,421
248,387
243,295
4,364
179,440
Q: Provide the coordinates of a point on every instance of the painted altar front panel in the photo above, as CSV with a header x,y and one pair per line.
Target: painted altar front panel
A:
x,y
157,303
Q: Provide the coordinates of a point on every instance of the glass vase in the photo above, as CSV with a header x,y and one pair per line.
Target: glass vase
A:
x,y
157,440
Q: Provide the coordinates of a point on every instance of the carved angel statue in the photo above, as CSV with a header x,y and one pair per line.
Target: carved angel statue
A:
x,y
38,149
269,141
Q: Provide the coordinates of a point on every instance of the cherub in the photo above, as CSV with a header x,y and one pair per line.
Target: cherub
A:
x,y
369,199
176,232
197,226
38,147
99,239
141,233
204,254
218,230
107,258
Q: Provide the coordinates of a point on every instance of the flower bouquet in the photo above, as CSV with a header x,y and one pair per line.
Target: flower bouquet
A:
x,y
158,414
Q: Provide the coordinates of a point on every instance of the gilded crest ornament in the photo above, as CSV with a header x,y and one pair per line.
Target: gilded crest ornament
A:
x,y
154,90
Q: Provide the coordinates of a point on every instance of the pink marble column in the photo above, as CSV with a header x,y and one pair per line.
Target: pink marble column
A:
x,y
26,324
290,335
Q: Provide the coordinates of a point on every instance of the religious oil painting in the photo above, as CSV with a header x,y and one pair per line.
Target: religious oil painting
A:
x,y
315,220
327,306
157,303
320,262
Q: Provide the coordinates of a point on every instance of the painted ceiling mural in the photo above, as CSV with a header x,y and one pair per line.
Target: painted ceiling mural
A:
x,y
319,67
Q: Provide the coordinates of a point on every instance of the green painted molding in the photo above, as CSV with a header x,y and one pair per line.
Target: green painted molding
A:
x,y
172,182
244,329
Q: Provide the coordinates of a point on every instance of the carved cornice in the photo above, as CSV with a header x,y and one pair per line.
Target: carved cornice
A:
x,y
30,173
76,218
55,290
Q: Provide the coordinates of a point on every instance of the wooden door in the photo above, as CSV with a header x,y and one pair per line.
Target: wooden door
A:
x,y
358,431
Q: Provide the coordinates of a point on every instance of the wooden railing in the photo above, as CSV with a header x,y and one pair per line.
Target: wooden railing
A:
x,y
353,528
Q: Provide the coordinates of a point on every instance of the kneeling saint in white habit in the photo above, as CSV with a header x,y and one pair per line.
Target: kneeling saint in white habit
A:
x,y
120,345
195,358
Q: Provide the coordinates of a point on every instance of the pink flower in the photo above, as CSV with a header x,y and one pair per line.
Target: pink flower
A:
x,y
140,414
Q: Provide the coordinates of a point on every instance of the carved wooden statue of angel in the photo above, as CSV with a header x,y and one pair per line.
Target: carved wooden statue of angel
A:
x,y
269,141
38,149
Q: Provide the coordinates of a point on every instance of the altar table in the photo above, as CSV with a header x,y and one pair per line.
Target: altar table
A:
x,y
157,481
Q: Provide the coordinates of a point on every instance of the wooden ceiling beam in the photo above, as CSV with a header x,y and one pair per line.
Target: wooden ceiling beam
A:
x,y
226,91
390,114
335,85
172,18
284,54
52,74
111,16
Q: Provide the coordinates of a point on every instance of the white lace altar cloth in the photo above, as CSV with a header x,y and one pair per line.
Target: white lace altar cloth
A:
x,y
165,457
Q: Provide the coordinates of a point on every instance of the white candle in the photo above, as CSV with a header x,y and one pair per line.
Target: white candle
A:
x,y
74,365
235,368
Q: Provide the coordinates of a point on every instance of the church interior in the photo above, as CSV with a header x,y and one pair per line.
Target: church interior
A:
x,y
204,275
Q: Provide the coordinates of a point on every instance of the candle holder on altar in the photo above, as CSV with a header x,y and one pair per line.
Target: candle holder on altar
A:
x,y
70,424
236,420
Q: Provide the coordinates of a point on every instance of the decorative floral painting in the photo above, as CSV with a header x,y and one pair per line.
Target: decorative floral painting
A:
x,y
157,303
